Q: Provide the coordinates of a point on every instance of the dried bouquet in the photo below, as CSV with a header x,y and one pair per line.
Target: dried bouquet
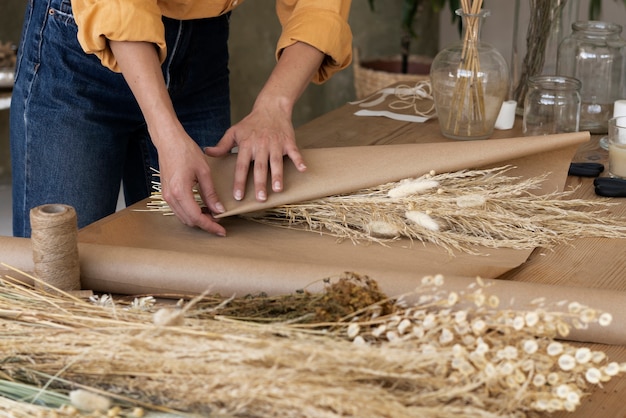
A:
x,y
467,210
349,351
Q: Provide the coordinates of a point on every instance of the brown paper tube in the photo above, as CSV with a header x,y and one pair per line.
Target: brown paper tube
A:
x,y
55,247
127,270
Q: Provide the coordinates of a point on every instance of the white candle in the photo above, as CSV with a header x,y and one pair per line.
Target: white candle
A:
x,y
617,160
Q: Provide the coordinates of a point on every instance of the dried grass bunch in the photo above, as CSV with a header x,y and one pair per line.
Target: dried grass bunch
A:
x,y
457,211
448,354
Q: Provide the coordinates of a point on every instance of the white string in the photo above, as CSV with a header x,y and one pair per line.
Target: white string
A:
x,y
411,97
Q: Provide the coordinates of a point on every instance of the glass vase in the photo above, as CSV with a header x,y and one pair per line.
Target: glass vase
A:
x,y
470,81
594,54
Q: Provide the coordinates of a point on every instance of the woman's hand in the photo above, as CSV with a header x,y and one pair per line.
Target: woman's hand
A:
x,y
266,134
181,162
263,138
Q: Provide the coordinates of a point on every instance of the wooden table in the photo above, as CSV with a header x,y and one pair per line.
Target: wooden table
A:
x,y
592,263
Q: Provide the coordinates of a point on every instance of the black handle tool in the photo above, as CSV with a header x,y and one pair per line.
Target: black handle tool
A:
x,y
585,169
610,187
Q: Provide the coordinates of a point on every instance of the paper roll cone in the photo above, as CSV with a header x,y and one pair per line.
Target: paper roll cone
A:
x,y
157,272
334,171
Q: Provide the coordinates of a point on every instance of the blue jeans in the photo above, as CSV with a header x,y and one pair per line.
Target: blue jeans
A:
x,y
76,129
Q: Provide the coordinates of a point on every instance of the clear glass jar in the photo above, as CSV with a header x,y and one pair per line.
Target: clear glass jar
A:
x,y
470,80
552,105
593,53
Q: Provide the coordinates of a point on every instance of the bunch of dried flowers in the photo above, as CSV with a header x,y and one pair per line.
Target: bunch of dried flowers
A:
x,y
447,353
460,211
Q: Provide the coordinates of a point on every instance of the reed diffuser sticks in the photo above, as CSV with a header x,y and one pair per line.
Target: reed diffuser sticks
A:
x,y
468,99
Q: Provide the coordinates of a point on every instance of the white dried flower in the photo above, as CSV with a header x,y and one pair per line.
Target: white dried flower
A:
x,y
562,391
353,330
531,318
611,369
438,280
553,378
453,298
482,348
583,355
166,317
460,317
104,300
422,219
493,301
555,348
470,201
588,315
478,326
539,380
383,229
593,375
605,319
567,362
530,346
479,299
392,336
411,187
598,356
573,397
418,332
509,352
359,340
142,304
403,326
574,307
446,336
429,321
89,401
378,331
518,323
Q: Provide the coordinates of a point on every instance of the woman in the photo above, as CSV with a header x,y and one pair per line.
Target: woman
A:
x,y
107,90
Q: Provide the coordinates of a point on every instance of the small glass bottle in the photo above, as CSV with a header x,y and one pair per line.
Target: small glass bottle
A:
x,y
470,80
552,105
593,53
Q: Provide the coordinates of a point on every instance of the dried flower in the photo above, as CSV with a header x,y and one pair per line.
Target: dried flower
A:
x,y
412,187
422,219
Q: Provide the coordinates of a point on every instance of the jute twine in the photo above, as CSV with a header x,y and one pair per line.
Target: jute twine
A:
x,y
55,246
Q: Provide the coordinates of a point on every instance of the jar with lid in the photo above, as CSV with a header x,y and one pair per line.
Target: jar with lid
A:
x,y
551,106
594,54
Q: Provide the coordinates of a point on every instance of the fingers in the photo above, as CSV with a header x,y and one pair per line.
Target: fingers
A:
x,y
182,201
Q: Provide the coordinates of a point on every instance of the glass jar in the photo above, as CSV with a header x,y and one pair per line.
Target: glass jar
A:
x,y
552,105
470,81
593,53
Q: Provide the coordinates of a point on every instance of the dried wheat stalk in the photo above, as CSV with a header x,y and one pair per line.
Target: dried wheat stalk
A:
x,y
458,211
450,354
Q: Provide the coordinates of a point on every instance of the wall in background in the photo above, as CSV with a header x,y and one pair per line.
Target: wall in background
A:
x,y
11,13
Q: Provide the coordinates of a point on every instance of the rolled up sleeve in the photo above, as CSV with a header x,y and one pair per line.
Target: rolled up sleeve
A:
x,y
322,24
118,20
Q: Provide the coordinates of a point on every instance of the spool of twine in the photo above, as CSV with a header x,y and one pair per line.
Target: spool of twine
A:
x,y
55,247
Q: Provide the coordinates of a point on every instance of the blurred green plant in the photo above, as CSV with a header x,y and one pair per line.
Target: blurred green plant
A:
x,y
410,9
595,8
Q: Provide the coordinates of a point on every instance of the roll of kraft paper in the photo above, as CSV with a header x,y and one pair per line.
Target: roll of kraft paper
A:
x,y
55,247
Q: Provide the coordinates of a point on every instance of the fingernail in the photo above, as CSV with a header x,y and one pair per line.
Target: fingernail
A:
x,y
220,208
238,195
302,167
277,186
261,195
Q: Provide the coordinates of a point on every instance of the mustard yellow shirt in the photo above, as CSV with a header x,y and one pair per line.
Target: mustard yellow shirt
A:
x,y
320,23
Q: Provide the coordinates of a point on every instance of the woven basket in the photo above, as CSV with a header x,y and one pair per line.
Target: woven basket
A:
x,y
368,80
